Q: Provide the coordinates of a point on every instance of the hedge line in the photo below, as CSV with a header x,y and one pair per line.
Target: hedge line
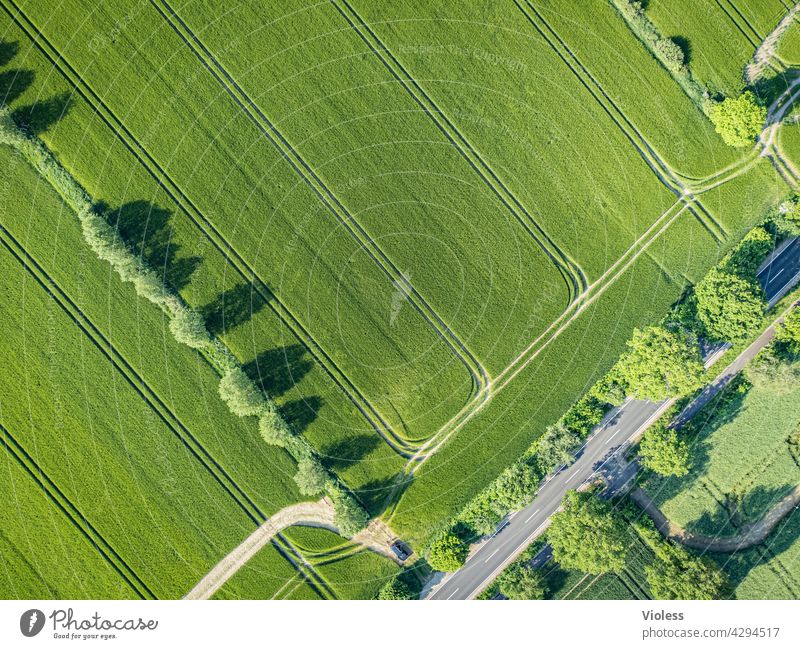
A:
x,y
240,393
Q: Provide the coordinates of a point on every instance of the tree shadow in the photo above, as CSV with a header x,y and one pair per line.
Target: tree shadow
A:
x,y
41,115
8,50
278,370
346,452
300,413
771,84
146,229
13,83
232,308
686,47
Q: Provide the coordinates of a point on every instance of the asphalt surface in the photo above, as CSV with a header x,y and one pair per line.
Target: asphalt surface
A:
x,y
603,453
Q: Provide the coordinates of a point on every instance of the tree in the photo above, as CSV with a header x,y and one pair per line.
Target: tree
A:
x,y
396,588
241,394
188,327
587,535
682,576
349,516
609,389
447,553
729,306
787,335
660,364
788,217
661,451
556,447
745,259
739,121
670,54
311,477
273,428
515,487
520,581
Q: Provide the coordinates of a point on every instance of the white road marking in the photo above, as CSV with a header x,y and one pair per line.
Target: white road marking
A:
x,y
776,275
532,515
612,437
453,594
491,555
572,476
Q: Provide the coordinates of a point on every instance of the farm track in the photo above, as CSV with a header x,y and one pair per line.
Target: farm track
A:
x,y
324,193
744,27
137,382
568,267
668,177
765,54
74,515
215,238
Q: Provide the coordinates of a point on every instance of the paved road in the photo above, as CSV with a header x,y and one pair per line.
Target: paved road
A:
x,y
601,453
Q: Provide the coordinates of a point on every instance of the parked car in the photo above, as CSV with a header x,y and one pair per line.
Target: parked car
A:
x,y
401,550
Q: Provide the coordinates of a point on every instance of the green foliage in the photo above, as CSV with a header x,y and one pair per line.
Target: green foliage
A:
x,y
273,428
663,452
556,447
241,393
188,327
350,517
521,581
396,588
447,553
681,576
311,477
788,217
745,259
588,535
787,335
739,121
729,306
660,364
585,414
609,389
770,371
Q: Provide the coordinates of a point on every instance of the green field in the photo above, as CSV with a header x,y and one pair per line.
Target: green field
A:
x,y
741,459
789,45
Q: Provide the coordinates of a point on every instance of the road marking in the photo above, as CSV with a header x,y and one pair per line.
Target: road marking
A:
x,y
491,555
776,275
453,594
572,476
612,437
532,515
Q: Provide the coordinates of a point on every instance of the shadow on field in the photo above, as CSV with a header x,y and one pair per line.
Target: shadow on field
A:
x,y
13,83
40,116
146,229
8,50
232,308
347,452
302,412
373,495
278,370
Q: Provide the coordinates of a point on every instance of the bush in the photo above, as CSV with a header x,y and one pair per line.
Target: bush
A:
x,y
188,327
739,121
660,364
274,429
788,217
396,588
669,53
745,259
609,389
679,575
311,477
585,414
241,394
663,452
771,372
447,553
556,447
787,336
729,306
521,581
349,517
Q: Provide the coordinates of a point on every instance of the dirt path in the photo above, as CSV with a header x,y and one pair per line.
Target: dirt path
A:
x,y
766,51
376,537
752,533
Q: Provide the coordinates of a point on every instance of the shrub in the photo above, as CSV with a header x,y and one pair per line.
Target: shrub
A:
x,y
396,588
769,371
188,327
609,389
588,535
745,259
311,477
555,448
679,575
585,414
729,306
739,121
787,336
349,517
663,452
788,217
521,581
241,394
669,53
660,364
447,553
273,428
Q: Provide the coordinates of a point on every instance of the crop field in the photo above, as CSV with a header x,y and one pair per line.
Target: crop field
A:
x,y
789,45
720,37
423,237
741,457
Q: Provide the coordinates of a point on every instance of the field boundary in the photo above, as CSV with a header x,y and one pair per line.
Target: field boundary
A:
x,y
568,267
74,515
198,219
324,194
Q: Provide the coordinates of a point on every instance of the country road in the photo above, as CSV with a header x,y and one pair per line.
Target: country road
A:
x,y
601,451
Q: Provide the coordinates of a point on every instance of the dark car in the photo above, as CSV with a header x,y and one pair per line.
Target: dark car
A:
x,y
400,550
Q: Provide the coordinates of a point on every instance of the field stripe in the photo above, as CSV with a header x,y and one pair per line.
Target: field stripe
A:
x,y
198,219
662,170
322,191
569,268
744,26
314,579
74,515
140,386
